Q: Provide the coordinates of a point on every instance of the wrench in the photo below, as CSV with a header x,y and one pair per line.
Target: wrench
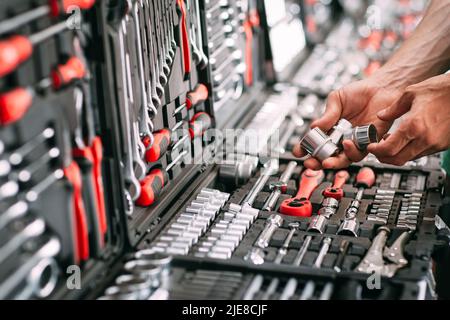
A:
x,y
130,177
50,249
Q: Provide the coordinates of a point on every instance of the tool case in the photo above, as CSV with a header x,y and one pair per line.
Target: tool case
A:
x,y
107,151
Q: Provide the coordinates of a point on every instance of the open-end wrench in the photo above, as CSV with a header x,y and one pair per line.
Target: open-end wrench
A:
x,y
140,167
147,106
163,26
157,90
196,37
130,177
166,24
164,70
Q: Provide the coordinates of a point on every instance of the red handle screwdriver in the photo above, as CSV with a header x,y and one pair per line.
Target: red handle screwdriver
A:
x,y
300,206
161,142
185,38
199,123
336,191
197,96
17,49
154,183
14,104
63,74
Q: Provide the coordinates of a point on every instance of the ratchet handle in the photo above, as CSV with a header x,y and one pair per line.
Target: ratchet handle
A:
x,y
336,191
300,206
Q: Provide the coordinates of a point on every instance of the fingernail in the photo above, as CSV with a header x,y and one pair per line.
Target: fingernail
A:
x,y
381,113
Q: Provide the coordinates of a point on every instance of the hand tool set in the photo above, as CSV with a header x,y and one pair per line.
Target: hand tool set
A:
x,y
109,113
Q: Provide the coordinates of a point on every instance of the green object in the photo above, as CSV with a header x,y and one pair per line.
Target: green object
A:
x,y
446,161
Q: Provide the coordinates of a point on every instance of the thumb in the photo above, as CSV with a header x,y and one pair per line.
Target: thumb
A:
x,y
332,113
397,109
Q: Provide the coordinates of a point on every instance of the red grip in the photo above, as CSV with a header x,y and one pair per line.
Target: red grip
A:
x,y
309,181
72,70
82,4
73,174
14,104
340,178
97,151
185,38
365,178
300,206
371,68
160,145
151,187
199,123
199,95
14,51
248,52
336,191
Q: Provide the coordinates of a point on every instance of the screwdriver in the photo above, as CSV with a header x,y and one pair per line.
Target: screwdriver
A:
x,y
16,102
53,8
17,49
300,206
161,143
154,183
194,98
199,123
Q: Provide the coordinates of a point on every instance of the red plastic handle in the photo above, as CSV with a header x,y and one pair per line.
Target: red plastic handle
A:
x,y
336,191
14,104
160,145
199,95
185,39
366,178
300,206
14,51
309,181
340,178
73,69
73,174
199,123
248,52
151,187
82,4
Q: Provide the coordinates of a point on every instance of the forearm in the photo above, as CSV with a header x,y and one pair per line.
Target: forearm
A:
x,y
426,53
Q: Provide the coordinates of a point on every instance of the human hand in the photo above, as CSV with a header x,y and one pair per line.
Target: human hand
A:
x,y
359,103
426,127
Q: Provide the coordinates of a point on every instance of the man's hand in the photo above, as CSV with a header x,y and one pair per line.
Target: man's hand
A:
x,y
358,103
426,127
